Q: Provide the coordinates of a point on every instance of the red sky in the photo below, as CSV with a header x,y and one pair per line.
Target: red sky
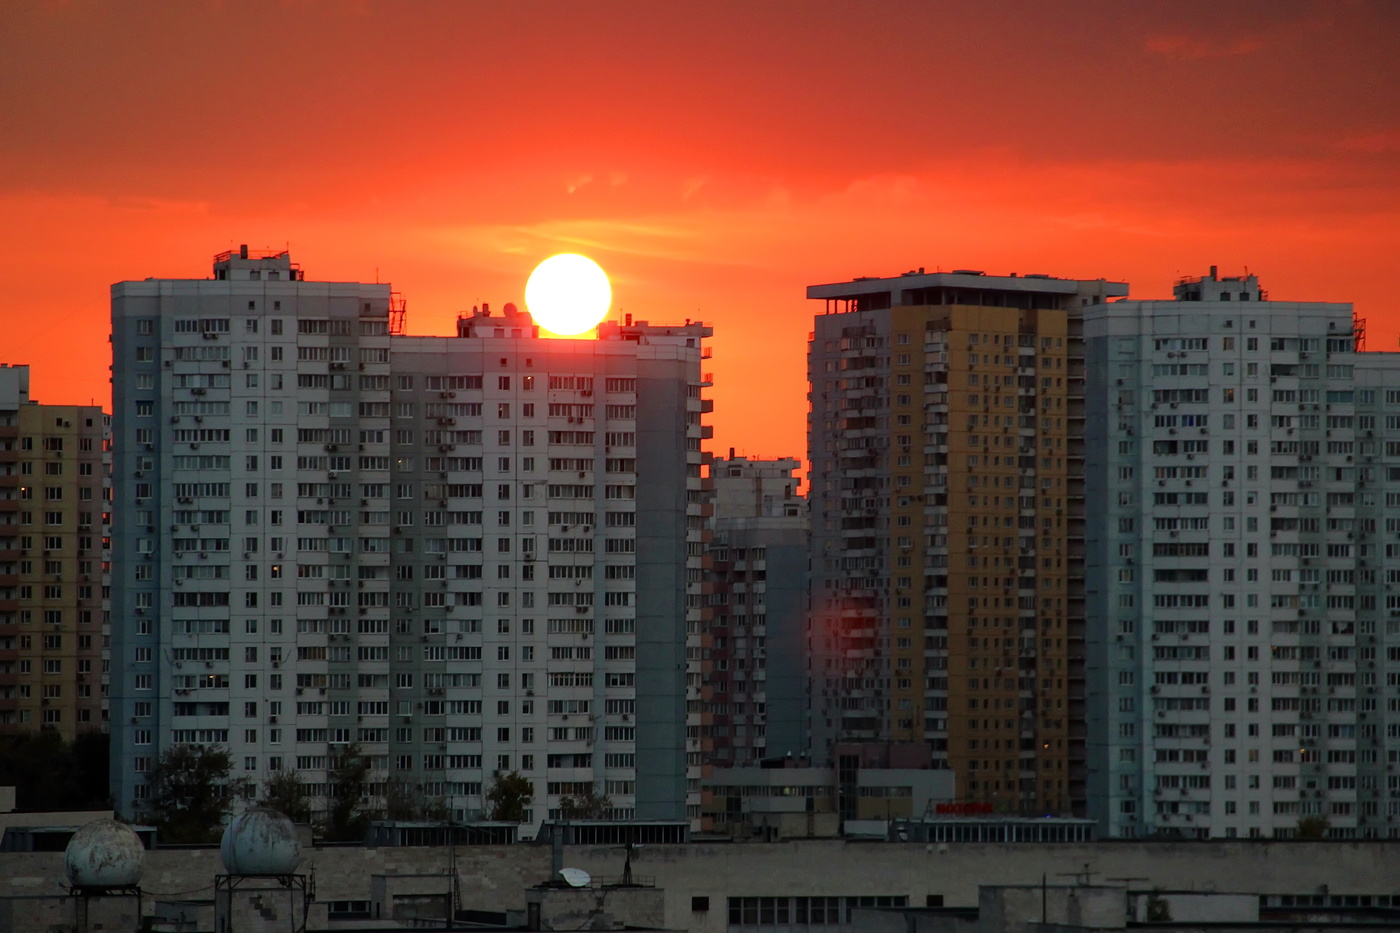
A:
x,y
716,158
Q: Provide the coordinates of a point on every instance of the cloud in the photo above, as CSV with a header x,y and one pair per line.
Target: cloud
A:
x,y
1372,143
577,183
158,205
1188,48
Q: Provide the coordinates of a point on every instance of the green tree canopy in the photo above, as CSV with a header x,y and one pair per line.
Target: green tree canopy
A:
x,y
49,774
509,797
285,792
1313,827
191,793
347,819
405,801
589,805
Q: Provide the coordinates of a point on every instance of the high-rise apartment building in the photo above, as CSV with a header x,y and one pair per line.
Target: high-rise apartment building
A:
x,y
1244,642
756,636
947,509
466,554
53,562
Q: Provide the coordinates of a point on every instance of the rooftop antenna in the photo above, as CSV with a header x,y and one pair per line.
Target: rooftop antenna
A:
x,y
1084,877
627,864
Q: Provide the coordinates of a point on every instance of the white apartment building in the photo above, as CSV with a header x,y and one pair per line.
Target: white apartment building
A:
x,y
467,554
1243,647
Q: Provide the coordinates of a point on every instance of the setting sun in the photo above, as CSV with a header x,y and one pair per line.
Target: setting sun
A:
x,y
568,294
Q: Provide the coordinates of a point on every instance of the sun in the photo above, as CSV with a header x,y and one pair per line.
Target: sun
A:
x,y
568,294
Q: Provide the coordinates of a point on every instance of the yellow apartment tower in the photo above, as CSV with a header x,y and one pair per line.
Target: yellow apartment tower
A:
x,y
945,434
53,563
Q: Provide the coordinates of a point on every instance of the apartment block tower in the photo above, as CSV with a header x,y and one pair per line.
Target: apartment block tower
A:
x,y
947,506
756,637
1244,638
53,562
469,554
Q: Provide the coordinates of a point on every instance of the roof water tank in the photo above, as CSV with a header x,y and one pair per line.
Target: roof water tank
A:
x,y
260,841
104,854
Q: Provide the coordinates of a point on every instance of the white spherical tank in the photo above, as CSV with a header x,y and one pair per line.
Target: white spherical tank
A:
x,y
260,841
104,854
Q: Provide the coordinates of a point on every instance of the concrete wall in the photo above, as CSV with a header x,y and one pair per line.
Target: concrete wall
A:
x,y
1012,909
1191,907
257,906
888,920
408,896
57,913
495,877
661,592
599,908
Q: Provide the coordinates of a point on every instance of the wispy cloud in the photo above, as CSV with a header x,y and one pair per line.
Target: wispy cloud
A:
x,y
1387,141
1189,45
1182,46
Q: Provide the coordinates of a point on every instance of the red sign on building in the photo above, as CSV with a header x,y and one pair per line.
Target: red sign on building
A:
x,y
963,809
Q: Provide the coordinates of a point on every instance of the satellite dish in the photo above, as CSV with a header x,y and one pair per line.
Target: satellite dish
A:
x,y
575,877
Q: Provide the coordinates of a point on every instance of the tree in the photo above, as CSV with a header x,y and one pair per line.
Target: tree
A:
x,y
590,805
92,754
404,801
285,792
509,797
41,768
346,817
191,792
1159,909
1312,827
49,774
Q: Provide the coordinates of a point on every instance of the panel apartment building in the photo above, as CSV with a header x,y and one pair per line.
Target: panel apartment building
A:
x,y
947,508
756,637
467,554
1244,631
53,563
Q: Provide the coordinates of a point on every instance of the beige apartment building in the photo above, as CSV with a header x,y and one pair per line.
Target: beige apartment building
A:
x,y
945,437
53,562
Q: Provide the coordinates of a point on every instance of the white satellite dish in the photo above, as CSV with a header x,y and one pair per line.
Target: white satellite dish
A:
x,y
575,877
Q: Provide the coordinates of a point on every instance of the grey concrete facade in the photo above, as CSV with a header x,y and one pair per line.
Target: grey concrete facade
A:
x,y
662,562
468,555
1242,636
758,660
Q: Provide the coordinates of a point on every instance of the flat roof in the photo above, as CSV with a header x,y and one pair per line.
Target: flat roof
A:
x,y
866,285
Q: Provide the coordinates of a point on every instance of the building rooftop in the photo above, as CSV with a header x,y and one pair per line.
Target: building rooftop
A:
x,y
959,278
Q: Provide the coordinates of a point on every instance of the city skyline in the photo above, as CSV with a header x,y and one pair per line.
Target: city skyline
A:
x,y
714,168
1094,376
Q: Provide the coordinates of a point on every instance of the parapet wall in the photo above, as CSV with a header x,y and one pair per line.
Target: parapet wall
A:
x,y
496,877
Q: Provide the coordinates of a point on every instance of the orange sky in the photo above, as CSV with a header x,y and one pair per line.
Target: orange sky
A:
x,y
714,157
